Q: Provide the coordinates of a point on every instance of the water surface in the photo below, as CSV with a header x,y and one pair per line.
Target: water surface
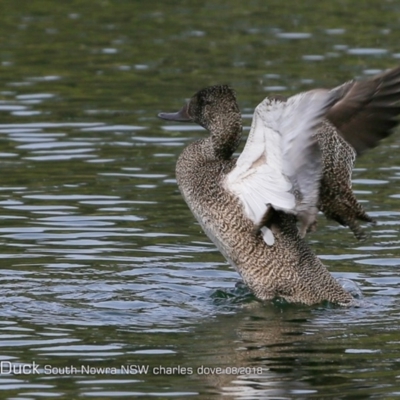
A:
x,y
109,289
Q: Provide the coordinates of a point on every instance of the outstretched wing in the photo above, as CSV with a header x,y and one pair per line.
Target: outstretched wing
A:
x,y
280,166
367,111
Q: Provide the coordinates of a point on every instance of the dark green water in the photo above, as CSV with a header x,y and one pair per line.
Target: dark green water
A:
x,y
102,265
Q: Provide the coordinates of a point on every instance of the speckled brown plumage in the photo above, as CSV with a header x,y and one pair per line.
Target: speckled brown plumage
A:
x,y
336,198
364,113
288,269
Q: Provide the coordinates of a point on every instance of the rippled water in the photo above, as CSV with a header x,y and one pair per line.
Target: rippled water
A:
x,y
109,288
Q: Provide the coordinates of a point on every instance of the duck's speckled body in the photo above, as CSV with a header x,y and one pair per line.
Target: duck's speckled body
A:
x,y
337,200
206,175
288,269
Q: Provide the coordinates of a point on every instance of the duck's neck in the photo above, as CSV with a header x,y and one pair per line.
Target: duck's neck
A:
x,y
225,138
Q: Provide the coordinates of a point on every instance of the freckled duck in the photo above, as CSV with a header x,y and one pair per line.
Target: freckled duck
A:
x,y
298,157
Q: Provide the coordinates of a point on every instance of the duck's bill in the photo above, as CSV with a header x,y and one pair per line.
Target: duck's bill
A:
x,y
180,116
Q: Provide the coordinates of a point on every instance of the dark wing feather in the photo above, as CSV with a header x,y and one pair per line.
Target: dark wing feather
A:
x,y
367,111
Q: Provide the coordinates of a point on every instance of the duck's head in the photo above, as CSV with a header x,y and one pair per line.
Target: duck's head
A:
x,y
213,108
